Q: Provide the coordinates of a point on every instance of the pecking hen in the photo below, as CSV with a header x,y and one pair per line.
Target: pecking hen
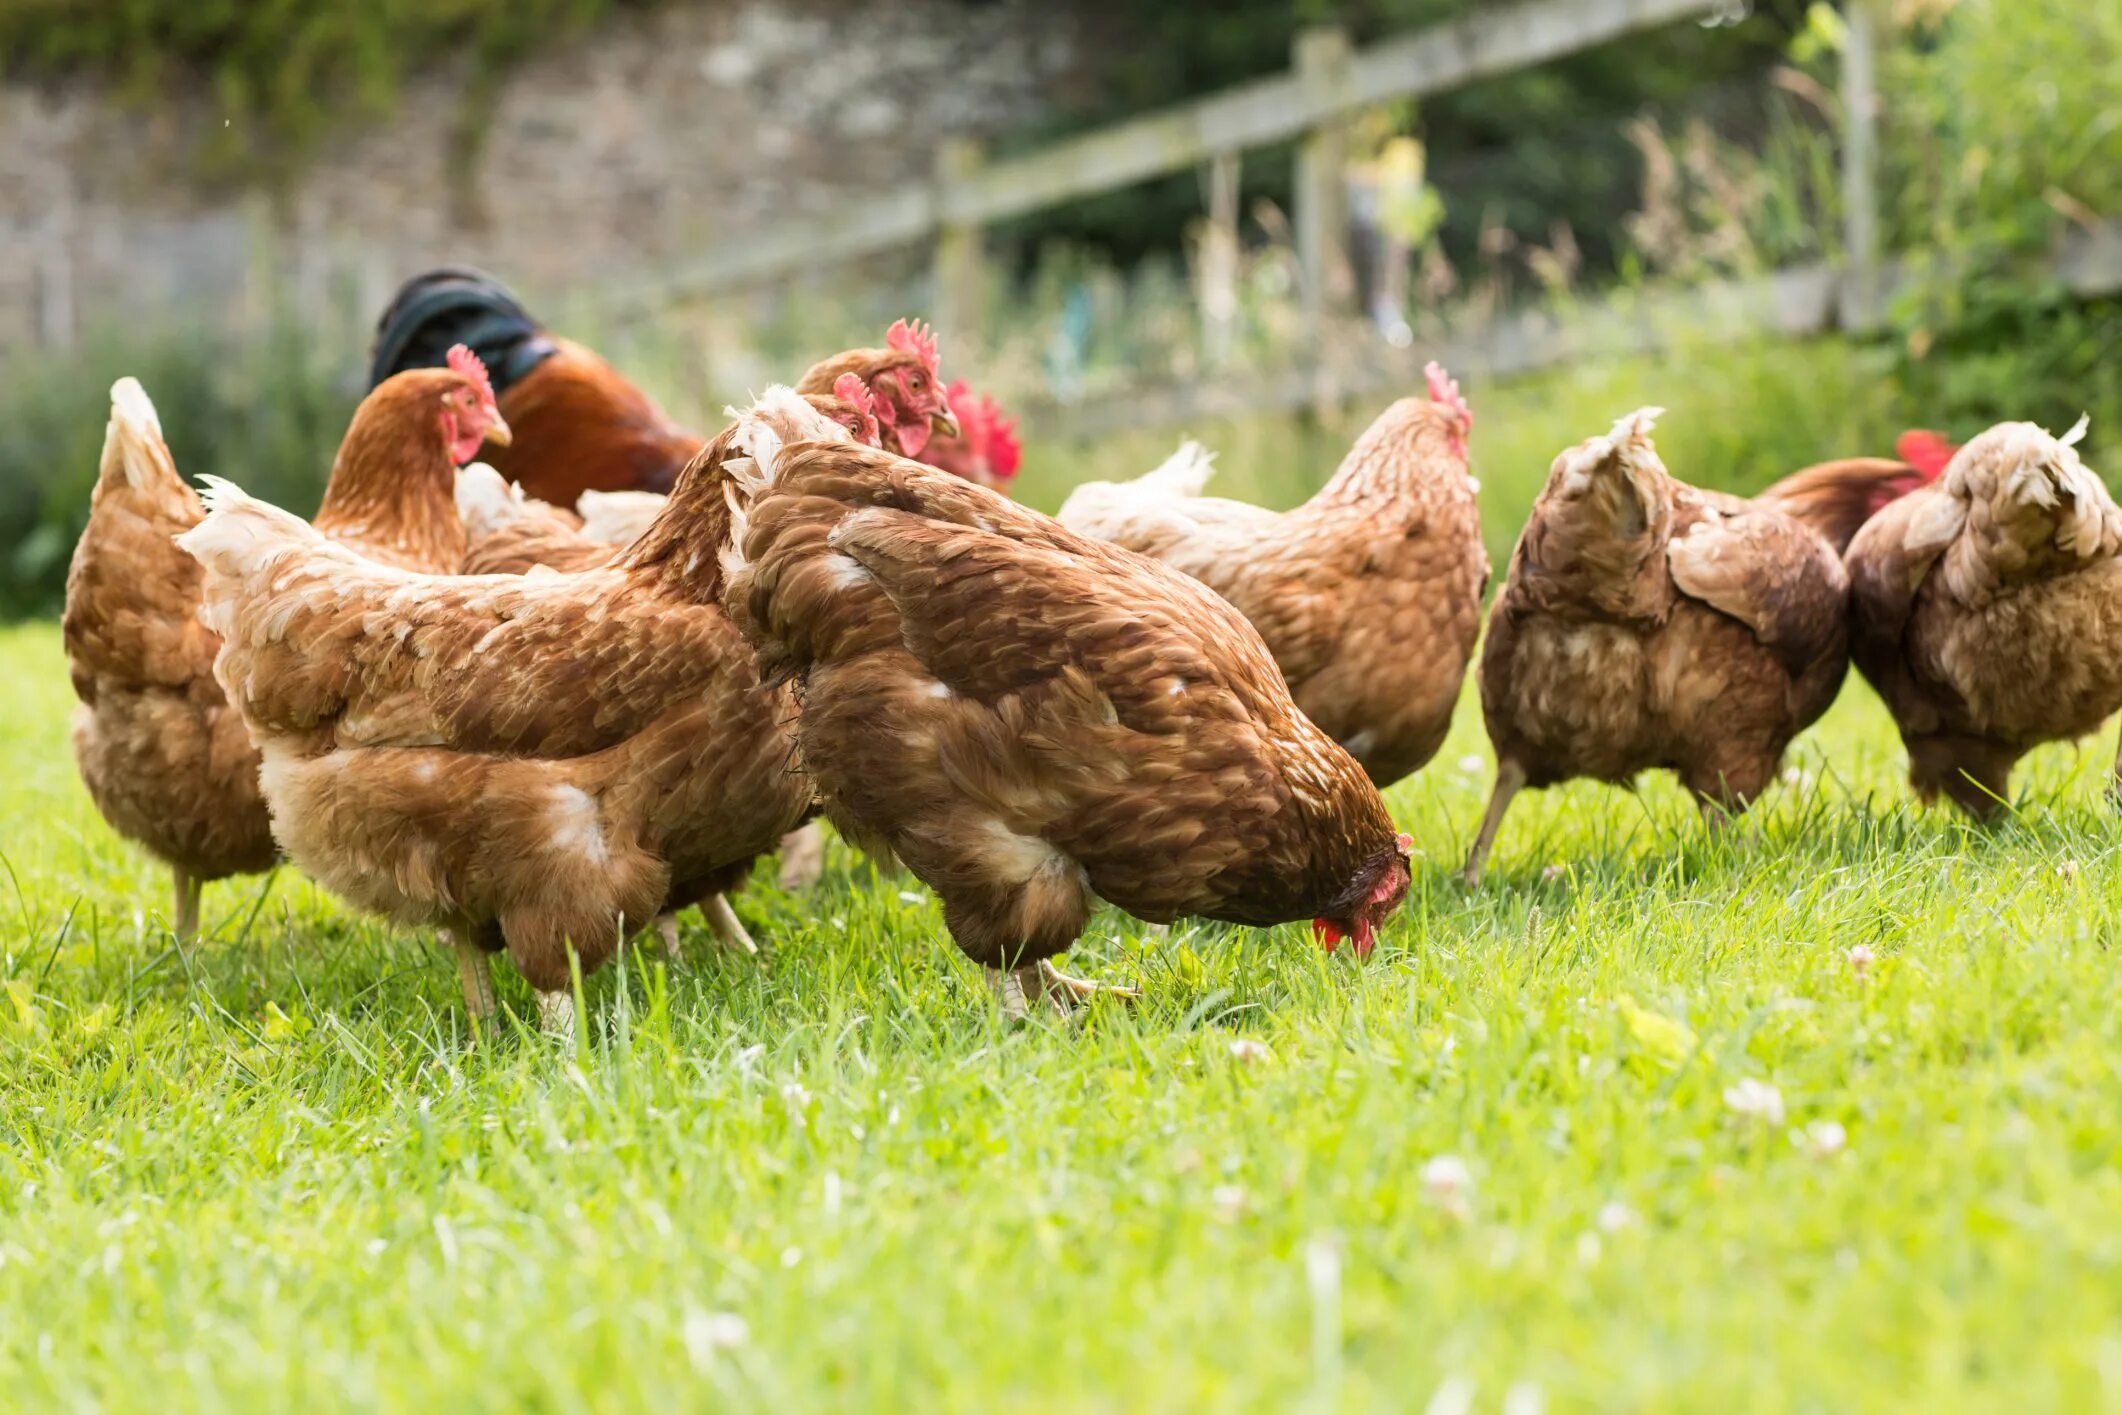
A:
x,y
1031,719
1987,611
1649,624
1368,595
537,763
165,759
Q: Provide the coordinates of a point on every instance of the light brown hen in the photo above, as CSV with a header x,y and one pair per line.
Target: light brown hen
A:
x,y
1988,611
164,758
542,763
1368,595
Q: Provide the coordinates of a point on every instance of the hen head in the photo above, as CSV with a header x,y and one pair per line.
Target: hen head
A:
x,y
854,407
469,415
1444,394
1378,890
912,402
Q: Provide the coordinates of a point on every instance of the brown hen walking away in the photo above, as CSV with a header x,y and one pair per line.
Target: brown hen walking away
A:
x,y
1988,611
1368,595
165,759
1031,719
542,763
1648,624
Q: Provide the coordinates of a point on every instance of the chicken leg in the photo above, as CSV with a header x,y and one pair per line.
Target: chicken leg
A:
x,y
1510,780
728,928
476,975
802,857
185,912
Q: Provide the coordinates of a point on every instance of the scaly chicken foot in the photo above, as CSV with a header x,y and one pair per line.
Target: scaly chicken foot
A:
x,y
1015,988
556,1014
1510,780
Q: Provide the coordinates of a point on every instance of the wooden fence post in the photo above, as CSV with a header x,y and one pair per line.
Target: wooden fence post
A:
x,y
1219,261
958,276
1860,302
1322,58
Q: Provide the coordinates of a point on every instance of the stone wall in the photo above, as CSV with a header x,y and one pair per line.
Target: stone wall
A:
x,y
652,138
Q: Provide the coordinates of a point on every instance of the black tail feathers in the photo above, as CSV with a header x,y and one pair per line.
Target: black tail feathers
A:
x,y
457,305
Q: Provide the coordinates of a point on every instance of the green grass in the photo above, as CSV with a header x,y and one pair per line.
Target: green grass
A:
x,y
267,1173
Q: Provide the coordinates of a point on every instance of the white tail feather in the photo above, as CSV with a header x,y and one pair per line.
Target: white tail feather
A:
x,y
618,517
1110,509
487,501
242,535
132,443
778,417
1184,473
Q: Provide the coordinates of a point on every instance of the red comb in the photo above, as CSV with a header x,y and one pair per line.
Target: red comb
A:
x,y
916,339
990,435
850,389
1928,452
1444,392
466,365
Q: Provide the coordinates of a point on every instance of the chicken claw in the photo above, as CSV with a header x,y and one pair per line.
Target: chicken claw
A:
x,y
556,1015
1015,987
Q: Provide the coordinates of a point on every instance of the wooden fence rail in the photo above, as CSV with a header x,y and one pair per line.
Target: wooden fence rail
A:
x,y
1328,82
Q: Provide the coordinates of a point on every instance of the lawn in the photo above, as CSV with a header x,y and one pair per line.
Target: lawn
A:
x,y
1521,1159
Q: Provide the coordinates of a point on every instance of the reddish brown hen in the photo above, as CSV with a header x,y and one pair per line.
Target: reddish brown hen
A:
x,y
583,426
1031,719
165,759
1369,594
1649,624
1988,611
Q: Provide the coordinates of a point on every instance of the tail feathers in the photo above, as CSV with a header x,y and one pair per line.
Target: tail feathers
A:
x,y
132,445
457,305
1184,473
1125,511
777,418
1835,499
618,517
2051,479
487,501
242,535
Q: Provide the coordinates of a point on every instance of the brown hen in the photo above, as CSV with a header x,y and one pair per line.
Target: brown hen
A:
x,y
542,763
1649,624
164,758
1368,595
1032,719
1988,611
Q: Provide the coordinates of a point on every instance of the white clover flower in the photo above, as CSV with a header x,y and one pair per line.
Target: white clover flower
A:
x,y
1448,1184
1823,1139
1248,1052
1614,1216
1755,1100
1860,958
